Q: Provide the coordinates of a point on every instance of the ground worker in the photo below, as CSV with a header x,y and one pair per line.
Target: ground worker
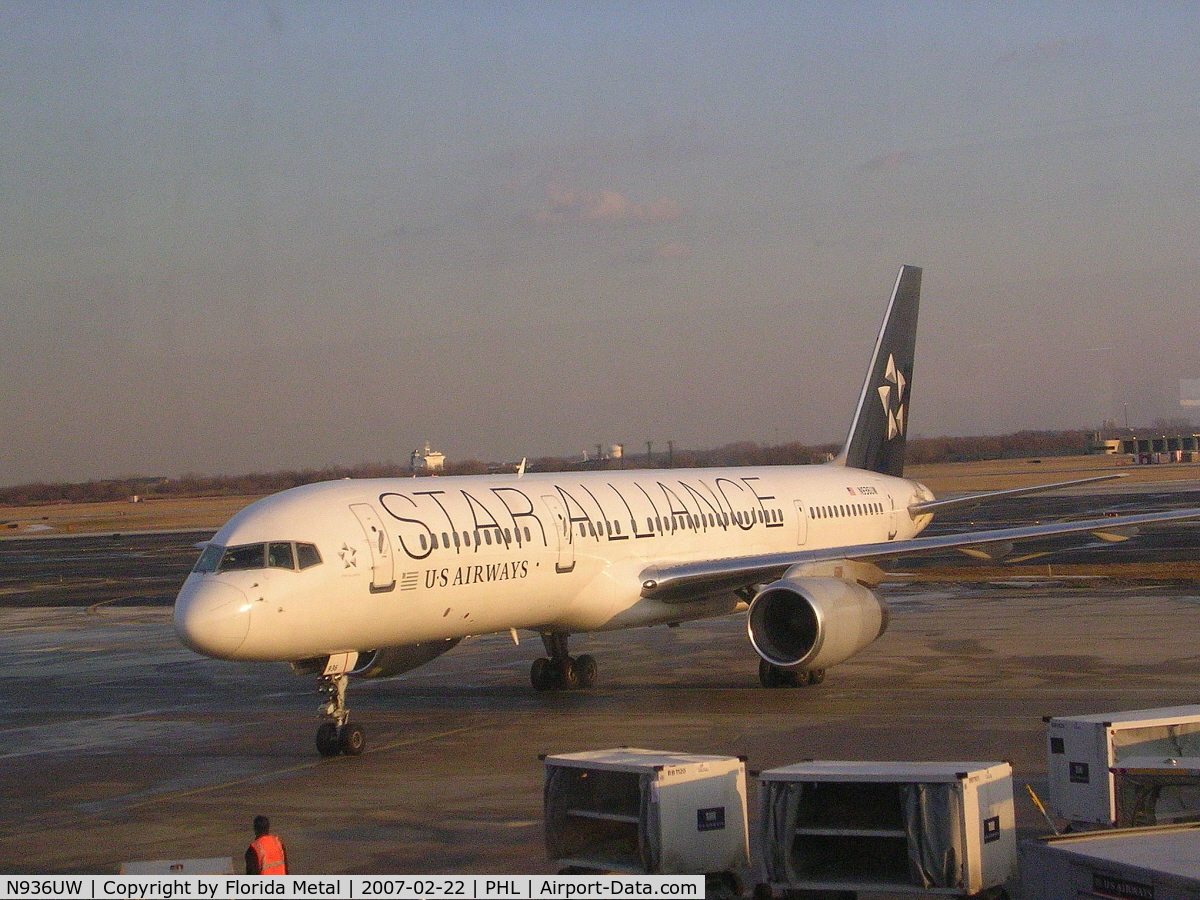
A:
x,y
266,855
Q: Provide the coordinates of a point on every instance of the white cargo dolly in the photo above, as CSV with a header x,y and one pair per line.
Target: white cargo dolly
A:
x,y
1160,863
1082,750
911,827
1153,790
647,812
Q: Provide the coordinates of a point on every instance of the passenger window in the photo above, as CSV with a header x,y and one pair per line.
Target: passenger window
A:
x,y
527,538
279,555
240,558
307,556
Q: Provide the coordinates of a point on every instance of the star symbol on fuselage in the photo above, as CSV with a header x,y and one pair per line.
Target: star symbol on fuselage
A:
x,y
892,395
347,555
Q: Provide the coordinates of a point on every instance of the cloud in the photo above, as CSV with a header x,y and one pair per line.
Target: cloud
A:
x,y
568,207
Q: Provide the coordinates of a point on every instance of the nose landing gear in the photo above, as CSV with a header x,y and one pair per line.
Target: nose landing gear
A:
x,y
337,734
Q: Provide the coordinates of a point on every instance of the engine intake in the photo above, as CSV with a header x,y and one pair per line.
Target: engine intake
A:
x,y
814,623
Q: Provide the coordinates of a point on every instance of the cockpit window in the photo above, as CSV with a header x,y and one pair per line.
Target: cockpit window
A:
x,y
279,555
307,555
238,558
275,555
209,557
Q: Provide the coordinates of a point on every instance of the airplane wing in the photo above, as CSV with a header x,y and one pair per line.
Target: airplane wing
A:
x,y
681,582
936,506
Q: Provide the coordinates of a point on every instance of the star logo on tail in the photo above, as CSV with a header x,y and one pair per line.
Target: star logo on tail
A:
x,y
893,395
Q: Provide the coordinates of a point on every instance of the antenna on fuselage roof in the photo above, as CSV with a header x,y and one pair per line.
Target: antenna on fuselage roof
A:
x,y
521,467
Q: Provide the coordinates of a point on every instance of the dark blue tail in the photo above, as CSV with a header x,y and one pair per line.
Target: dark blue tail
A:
x,y
877,435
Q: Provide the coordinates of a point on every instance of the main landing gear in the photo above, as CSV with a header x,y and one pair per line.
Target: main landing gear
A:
x,y
561,672
773,676
337,734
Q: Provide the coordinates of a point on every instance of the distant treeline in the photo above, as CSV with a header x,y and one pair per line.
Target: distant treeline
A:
x,y
745,453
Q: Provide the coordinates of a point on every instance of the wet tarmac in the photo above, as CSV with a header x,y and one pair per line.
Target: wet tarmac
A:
x,y
118,744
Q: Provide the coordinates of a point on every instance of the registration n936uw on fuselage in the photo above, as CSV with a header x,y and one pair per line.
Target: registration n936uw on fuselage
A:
x,y
374,577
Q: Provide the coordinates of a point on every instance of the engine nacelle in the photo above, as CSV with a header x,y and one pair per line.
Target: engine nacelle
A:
x,y
384,662
388,661
814,623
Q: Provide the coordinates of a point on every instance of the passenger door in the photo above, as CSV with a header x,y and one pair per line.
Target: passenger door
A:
x,y
383,570
562,533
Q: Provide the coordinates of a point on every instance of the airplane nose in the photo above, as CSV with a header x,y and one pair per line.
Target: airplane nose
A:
x,y
212,617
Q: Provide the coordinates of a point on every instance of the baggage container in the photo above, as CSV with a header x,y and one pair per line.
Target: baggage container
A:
x,y
1160,863
1151,790
647,812
1082,750
919,827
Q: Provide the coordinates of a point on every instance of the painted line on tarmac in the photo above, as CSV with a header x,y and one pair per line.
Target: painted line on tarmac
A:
x,y
117,804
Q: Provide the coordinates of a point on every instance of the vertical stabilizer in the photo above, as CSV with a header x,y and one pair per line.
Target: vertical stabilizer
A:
x,y
877,434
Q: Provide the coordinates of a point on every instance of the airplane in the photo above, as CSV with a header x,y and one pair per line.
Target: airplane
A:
x,y
374,577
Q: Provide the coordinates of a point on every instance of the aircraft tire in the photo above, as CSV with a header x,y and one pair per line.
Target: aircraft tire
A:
x,y
352,739
586,669
542,675
327,740
568,674
816,676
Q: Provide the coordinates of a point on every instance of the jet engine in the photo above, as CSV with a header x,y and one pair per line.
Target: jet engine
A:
x,y
384,662
388,661
812,623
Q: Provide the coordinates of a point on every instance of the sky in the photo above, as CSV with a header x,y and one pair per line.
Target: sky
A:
x,y
241,237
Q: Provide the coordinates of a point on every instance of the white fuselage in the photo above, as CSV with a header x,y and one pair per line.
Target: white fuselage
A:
x,y
404,561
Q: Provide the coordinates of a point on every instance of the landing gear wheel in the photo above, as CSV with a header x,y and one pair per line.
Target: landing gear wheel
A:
x,y
568,675
327,739
558,671
542,675
352,740
586,669
816,676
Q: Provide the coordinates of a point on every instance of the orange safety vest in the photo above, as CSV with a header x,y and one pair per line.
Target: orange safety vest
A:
x,y
271,859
